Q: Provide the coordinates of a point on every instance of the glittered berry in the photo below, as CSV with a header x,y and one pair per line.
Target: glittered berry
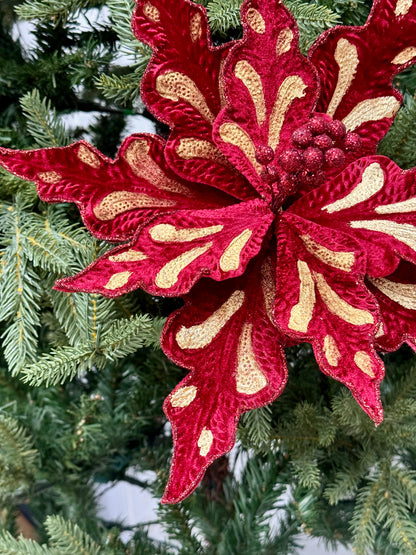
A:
x,y
318,125
288,184
302,137
314,158
335,158
270,174
307,178
264,155
336,129
323,142
291,160
352,142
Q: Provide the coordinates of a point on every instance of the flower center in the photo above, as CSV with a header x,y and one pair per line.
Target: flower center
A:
x,y
319,145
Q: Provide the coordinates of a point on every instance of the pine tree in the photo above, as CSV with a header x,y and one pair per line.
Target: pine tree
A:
x,y
82,378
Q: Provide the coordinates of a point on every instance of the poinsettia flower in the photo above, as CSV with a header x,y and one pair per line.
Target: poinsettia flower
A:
x,y
267,210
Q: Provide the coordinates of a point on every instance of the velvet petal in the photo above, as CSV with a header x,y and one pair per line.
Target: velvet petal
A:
x,y
374,201
356,66
270,89
116,196
396,296
171,253
182,88
226,338
321,298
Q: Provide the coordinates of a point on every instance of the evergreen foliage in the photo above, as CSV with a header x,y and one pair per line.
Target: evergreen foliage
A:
x,y
82,378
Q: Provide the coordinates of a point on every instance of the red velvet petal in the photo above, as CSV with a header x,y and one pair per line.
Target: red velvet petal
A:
x,y
174,251
114,196
321,298
396,296
356,66
270,89
181,87
374,201
224,335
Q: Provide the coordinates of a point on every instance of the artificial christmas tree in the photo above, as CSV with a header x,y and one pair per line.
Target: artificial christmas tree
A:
x,y
333,448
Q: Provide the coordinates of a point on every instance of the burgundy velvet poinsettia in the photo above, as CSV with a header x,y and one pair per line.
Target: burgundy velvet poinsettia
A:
x,y
267,209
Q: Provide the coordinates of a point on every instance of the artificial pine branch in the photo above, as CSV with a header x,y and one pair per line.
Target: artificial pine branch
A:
x,y
121,11
18,459
42,121
57,10
11,546
312,20
399,141
224,16
123,337
123,89
67,538
20,292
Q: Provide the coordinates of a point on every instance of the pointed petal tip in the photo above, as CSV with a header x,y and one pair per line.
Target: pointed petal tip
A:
x,y
169,500
376,413
173,495
378,417
64,285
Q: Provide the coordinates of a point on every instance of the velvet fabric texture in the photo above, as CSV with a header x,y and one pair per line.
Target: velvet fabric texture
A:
x,y
267,210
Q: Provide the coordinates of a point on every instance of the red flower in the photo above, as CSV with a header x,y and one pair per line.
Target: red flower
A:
x,y
266,209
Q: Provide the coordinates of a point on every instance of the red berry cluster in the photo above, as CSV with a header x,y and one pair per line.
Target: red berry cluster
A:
x,y
319,144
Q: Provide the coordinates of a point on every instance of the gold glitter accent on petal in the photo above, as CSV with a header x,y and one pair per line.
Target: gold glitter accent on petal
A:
x,y
128,256
284,41
249,378
402,293
169,274
189,148
235,135
269,288
331,351
342,260
151,12
88,157
251,79
50,177
346,56
301,313
117,280
372,109
405,233
402,207
380,331
201,335
118,202
205,441
169,233
138,158
292,87
195,27
178,86
372,181
364,363
184,396
255,21
230,259
402,7
405,56
336,305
